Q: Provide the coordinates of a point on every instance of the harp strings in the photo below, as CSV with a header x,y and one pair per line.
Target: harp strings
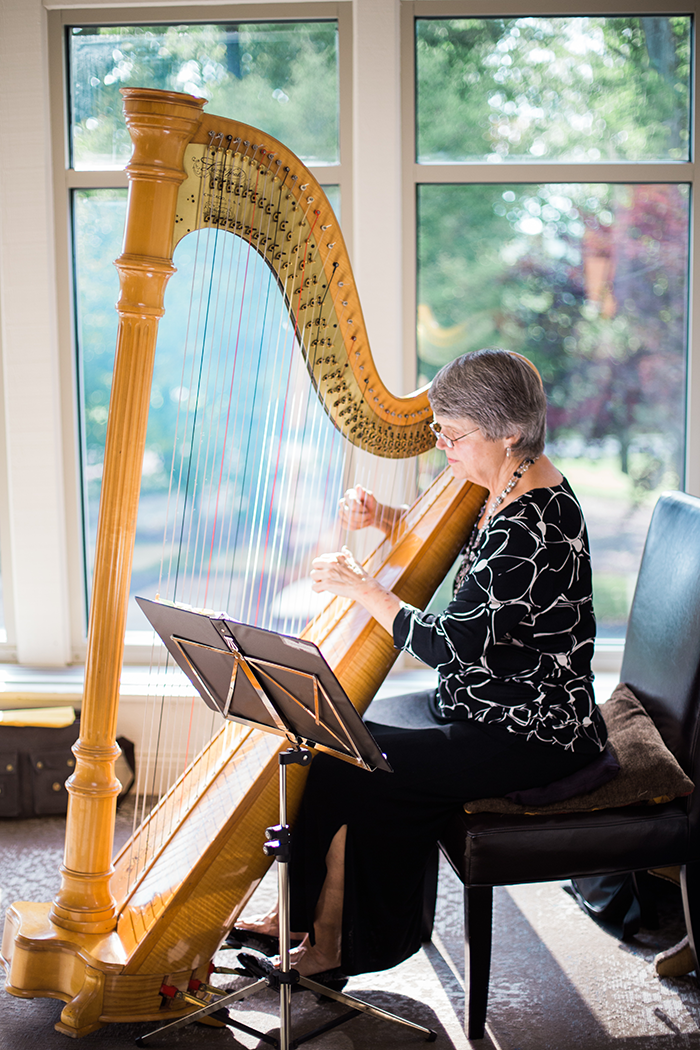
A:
x,y
163,753
238,485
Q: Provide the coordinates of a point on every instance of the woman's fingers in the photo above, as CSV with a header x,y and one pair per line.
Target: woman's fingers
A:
x,y
338,573
357,508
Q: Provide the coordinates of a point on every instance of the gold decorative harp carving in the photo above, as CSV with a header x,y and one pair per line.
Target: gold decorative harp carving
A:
x,y
117,930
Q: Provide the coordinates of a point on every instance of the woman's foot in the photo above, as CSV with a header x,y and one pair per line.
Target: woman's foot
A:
x,y
254,966
260,933
675,961
309,959
268,924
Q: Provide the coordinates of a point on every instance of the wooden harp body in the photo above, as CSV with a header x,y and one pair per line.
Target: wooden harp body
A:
x,y
119,929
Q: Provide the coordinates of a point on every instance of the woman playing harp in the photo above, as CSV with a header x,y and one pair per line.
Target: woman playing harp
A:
x,y
514,708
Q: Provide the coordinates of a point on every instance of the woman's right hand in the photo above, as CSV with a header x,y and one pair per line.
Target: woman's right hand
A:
x,y
358,509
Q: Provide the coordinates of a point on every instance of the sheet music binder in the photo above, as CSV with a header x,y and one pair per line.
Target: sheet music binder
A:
x,y
275,682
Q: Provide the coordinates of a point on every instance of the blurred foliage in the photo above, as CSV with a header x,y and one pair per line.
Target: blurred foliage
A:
x,y
611,599
281,77
589,282
98,227
579,89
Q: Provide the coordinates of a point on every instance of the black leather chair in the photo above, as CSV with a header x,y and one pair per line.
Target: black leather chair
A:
x,y
662,666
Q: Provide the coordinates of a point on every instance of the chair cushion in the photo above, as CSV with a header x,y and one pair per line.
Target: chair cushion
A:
x,y
648,771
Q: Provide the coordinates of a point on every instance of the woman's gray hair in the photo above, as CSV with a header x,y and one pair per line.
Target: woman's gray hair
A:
x,y
501,391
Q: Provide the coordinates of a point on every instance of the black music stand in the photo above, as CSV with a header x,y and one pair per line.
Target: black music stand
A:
x,y
283,685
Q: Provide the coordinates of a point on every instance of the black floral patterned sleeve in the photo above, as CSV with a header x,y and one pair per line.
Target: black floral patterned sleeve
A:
x,y
514,647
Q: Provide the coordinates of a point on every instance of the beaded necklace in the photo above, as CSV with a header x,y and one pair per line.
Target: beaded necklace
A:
x,y
473,543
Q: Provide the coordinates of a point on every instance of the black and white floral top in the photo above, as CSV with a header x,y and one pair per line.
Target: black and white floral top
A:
x,y
514,646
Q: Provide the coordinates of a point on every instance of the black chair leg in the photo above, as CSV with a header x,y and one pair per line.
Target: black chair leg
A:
x,y
478,905
430,885
690,888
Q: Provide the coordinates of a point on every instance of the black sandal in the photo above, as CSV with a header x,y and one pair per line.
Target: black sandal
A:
x,y
251,966
265,943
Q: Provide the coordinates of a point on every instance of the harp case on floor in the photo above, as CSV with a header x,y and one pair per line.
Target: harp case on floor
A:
x,y
117,930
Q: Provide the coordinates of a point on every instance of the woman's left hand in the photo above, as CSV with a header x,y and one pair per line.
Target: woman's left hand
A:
x,y
338,573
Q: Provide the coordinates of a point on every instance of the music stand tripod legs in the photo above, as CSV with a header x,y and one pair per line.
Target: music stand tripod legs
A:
x,y
285,978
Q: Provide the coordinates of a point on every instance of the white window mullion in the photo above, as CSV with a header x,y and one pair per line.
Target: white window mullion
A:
x,y
377,181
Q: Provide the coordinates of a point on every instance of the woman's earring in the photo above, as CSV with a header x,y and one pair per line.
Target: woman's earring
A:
x,y
508,451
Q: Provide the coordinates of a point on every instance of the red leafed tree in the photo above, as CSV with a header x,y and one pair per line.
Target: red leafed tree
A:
x,y
612,345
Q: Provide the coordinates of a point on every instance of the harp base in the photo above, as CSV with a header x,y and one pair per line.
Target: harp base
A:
x,y
44,961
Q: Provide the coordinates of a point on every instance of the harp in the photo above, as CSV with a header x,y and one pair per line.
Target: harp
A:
x,y
119,929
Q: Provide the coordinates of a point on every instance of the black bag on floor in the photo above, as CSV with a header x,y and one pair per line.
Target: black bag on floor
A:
x,y
36,761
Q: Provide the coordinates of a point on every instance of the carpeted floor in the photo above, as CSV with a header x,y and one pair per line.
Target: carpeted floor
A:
x,y
558,981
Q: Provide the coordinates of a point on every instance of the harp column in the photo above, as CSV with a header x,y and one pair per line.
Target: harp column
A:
x,y
161,125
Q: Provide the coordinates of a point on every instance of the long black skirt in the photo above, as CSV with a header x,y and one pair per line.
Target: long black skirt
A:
x,y
395,819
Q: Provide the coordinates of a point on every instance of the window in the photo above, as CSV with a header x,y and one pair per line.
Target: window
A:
x,y
279,76
586,274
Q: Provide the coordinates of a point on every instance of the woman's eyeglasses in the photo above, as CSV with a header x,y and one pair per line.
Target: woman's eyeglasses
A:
x,y
449,442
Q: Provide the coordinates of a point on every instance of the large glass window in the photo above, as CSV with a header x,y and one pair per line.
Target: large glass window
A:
x,y
590,283
589,280
189,342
